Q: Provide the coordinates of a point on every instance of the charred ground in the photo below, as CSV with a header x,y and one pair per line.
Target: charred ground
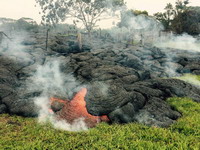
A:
x,y
126,83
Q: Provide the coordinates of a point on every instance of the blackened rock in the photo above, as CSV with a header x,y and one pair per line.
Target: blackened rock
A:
x,y
122,83
191,67
154,110
3,108
56,106
24,108
124,114
103,99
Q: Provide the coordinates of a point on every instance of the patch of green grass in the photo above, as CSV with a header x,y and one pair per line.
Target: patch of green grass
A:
x,y
25,133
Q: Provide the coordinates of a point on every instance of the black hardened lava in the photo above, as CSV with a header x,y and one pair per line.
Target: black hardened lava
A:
x,y
127,84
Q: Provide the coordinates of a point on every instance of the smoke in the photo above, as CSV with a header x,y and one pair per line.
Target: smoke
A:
x,y
169,41
171,71
50,81
46,79
144,117
141,22
142,30
46,116
136,28
181,42
14,48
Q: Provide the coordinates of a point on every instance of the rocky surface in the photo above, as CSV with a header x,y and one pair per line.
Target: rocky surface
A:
x,y
127,84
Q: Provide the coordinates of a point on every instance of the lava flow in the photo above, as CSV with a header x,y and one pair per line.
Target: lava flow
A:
x,y
76,108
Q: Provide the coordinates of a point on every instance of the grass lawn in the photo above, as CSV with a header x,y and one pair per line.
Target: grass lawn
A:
x,y
25,133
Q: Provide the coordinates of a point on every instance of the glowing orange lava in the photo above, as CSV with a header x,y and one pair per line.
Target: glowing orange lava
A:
x,y
76,108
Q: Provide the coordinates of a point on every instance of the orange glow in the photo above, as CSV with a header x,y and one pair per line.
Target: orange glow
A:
x,y
76,108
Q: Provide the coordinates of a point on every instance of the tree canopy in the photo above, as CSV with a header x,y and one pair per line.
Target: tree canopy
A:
x,y
88,12
180,18
187,21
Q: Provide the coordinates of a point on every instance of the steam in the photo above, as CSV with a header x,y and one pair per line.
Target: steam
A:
x,y
137,28
45,116
14,48
143,30
144,117
141,22
50,81
182,42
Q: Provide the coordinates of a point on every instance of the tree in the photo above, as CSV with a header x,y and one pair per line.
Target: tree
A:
x,y
166,17
187,21
161,17
173,15
89,12
177,22
169,14
180,6
181,18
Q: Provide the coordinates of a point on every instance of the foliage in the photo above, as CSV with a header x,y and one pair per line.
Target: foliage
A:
x,y
166,17
187,21
139,12
179,18
180,6
162,18
25,133
89,12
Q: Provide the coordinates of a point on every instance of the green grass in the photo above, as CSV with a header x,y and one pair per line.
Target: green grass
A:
x,y
25,133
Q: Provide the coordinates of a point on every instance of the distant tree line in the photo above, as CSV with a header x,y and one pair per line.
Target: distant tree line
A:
x,y
180,18
20,24
87,12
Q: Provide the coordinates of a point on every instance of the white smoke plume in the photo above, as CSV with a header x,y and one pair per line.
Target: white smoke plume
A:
x,y
47,79
137,28
181,42
50,81
13,48
45,116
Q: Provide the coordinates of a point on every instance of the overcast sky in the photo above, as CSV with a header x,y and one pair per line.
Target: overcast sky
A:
x,y
25,8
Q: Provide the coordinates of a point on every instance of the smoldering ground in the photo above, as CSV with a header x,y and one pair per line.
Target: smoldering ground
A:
x,y
115,70
44,78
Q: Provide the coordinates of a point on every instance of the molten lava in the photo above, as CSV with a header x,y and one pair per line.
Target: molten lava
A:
x,y
76,108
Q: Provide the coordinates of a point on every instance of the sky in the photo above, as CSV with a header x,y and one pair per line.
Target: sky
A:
x,y
153,6
16,9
